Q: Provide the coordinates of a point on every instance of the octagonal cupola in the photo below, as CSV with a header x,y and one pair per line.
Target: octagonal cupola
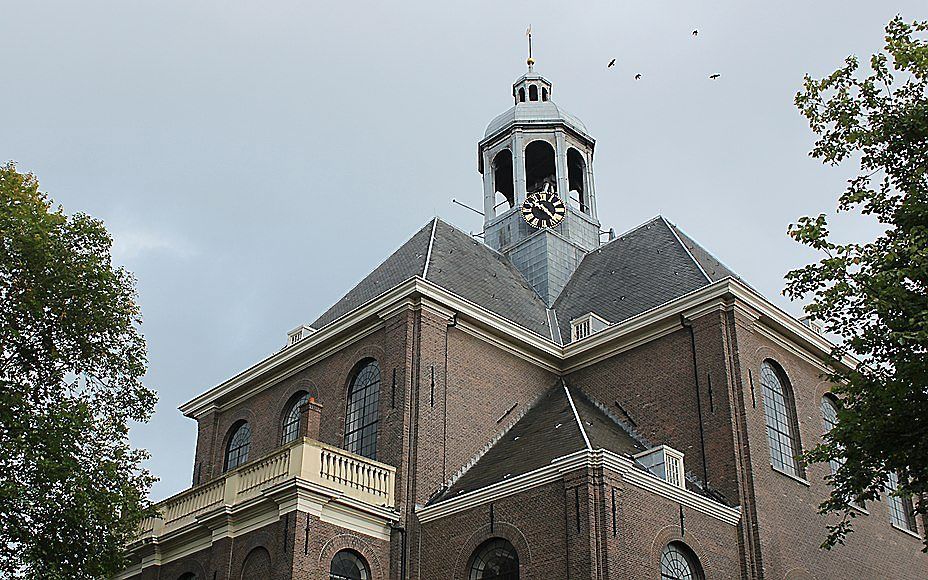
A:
x,y
531,88
537,146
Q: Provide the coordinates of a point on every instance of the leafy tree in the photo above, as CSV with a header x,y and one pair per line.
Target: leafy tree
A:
x,y
72,492
874,295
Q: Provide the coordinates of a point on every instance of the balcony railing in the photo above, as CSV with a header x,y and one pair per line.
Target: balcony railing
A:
x,y
345,473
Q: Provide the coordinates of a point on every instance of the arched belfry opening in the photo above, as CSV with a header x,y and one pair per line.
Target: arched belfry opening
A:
x,y
521,95
533,92
540,166
544,94
576,181
502,179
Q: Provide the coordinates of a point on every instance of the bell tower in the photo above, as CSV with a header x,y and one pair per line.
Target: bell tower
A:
x,y
537,146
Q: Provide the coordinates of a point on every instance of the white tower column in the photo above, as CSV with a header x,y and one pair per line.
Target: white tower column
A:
x,y
561,157
489,193
590,189
518,162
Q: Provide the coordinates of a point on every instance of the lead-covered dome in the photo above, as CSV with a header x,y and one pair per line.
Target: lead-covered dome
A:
x,y
533,106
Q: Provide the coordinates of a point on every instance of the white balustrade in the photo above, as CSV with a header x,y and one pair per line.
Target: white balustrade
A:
x,y
344,473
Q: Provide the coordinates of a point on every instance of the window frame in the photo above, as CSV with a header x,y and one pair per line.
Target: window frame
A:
x,y
901,509
292,417
363,567
362,415
686,555
484,549
242,449
781,420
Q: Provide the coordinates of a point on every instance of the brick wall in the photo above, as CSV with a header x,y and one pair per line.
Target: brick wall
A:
x,y
789,528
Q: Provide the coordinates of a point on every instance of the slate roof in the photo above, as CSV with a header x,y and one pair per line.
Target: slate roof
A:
x,y
461,265
548,430
639,270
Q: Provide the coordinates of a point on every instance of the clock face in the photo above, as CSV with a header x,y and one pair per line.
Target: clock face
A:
x,y
543,210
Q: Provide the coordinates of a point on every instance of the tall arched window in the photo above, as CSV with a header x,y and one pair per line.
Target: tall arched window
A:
x,y
540,166
533,92
495,559
239,443
290,429
544,94
349,565
901,510
678,562
780,413
362,412
521,95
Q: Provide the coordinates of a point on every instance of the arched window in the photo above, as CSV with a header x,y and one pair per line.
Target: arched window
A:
x,y
502,178
533,92
544,94
678,562
239,443
540,168
829,420
901,510
780,413
495,559
362,412
257,564
521,95
349,565
290,429
576,170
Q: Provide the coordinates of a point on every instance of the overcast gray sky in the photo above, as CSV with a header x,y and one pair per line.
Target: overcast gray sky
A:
x,y
254,160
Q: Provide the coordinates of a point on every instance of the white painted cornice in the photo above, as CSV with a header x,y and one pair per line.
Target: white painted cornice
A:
x,y
417,293
555,471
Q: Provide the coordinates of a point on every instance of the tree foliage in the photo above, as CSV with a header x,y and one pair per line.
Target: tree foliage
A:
x,y
72,492
874,295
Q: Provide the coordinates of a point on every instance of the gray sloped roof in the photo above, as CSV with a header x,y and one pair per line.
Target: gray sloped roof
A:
x,y
639,270
406,262
475,272
548,431
712,266
459,264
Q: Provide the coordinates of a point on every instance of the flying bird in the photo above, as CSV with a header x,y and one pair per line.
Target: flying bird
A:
x,y
715,76
611,64
695,33
638,76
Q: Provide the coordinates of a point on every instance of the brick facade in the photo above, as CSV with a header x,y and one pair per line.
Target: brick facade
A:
x,y
446,393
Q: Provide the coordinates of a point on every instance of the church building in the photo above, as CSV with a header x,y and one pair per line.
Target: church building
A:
x,y
543,401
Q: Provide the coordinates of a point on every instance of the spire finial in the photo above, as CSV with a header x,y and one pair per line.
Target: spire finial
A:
x,y
530,61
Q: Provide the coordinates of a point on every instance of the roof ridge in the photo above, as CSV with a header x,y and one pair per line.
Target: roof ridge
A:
x,y
676,236
428,253
576,415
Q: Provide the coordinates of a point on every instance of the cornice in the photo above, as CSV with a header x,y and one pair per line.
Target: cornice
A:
x,y
555,471
416,293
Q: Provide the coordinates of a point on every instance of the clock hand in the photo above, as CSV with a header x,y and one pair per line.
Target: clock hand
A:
x,y
547,211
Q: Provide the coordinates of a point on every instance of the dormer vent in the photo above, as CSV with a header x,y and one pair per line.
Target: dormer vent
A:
x,y
586,325
299,333
664,462
814,326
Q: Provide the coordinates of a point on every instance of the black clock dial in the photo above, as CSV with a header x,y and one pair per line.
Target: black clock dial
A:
x,y
543,210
